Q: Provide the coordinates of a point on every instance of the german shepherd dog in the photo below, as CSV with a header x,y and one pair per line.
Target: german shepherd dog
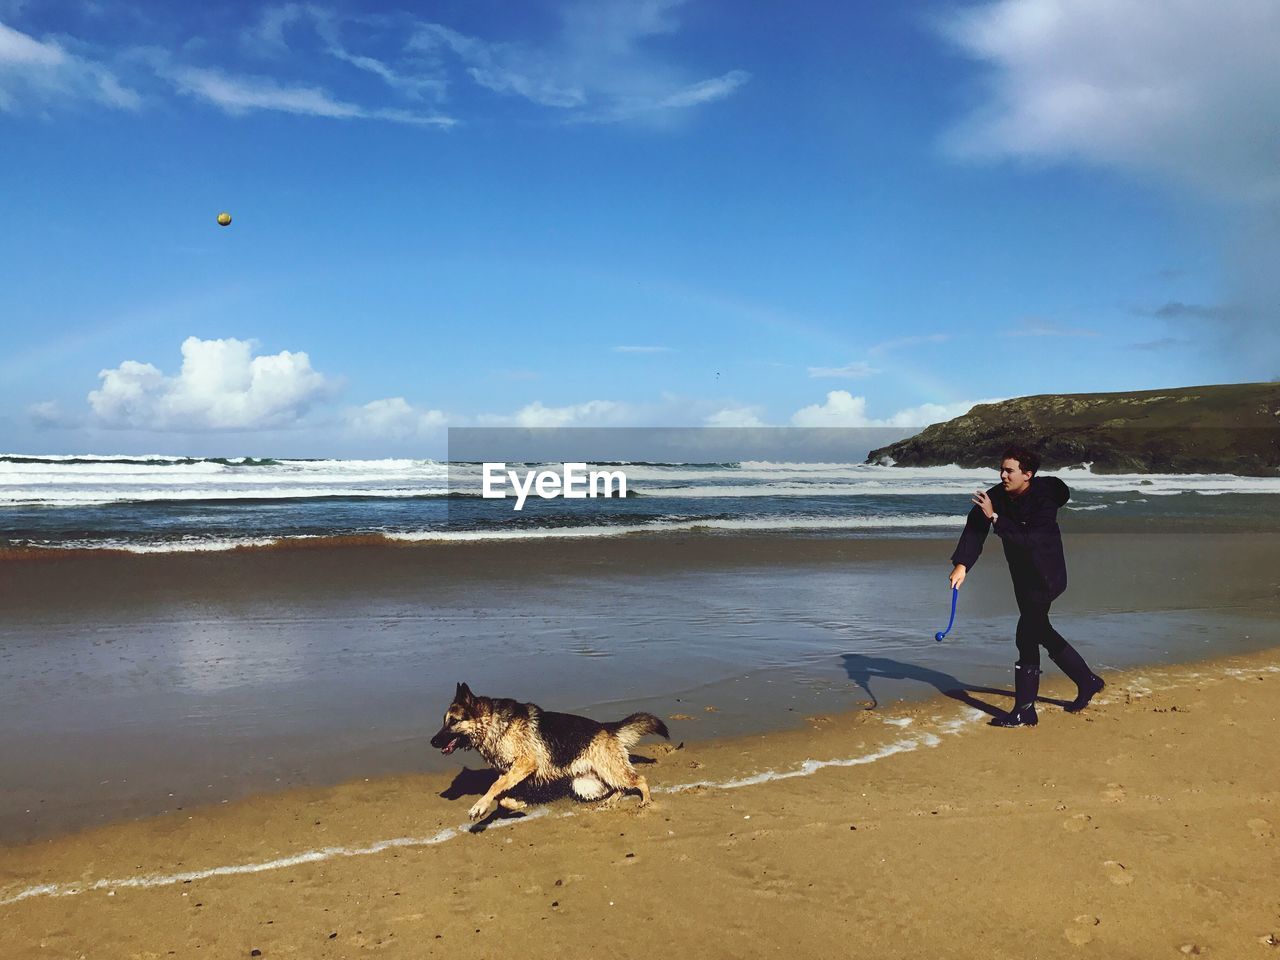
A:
x,y
524,742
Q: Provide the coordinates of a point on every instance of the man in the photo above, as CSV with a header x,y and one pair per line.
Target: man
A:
x,y
1023,511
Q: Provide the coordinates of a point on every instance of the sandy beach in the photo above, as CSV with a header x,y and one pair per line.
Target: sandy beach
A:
x,y
1145,827
790,818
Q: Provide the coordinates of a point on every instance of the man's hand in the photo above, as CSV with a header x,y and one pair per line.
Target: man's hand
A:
x,y
957,576
984,501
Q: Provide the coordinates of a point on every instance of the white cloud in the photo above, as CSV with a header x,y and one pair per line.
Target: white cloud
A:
x,y
842,409
267,36
408,84
238,95
1185,88
515,374
39,74
593,413
18,48
667,410
850,371
929,413
393,418
736,417
589,414
1040,328
882,348
599,65
1164,343
706,91
46,414
221,386
502,67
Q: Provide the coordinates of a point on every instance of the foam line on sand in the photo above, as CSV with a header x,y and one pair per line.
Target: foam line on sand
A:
x,y
1136,685
805,769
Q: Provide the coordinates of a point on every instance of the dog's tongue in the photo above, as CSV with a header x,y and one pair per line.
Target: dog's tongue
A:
x,y
450,746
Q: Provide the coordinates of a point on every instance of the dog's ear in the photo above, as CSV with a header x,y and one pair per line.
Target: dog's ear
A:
x,y
463,695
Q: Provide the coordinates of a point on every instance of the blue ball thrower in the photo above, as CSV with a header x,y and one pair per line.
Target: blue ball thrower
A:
x,y
955,593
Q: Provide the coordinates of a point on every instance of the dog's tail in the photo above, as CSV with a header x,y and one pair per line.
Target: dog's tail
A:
x,y
631,729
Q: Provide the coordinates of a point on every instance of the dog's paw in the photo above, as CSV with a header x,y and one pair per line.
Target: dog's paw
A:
x,y
478,810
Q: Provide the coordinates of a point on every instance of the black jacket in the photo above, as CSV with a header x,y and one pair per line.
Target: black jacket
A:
x,y
1028,528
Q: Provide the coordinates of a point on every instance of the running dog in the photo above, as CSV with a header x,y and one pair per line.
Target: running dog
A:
x,y
523,741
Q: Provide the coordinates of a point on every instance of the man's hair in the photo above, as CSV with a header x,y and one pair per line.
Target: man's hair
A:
x,y
1028,460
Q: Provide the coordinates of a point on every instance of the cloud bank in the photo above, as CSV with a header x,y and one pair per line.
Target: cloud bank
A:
x,y
1182,92
1183,88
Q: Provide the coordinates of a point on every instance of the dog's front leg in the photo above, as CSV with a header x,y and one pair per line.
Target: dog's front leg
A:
x,y
517,773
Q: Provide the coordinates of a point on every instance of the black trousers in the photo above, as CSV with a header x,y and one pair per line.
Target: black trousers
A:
x,y
1035,631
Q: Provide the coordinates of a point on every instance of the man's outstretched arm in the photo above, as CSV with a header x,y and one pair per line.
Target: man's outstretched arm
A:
x,y
976,528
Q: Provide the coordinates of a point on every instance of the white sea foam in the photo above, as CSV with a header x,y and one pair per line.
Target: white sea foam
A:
x,y
676,526
187,545
71,480
308,856
193,544
105,458
165,479
897,721
90,497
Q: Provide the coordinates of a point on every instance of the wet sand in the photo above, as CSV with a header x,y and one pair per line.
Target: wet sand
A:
x,y
1145,827
135,685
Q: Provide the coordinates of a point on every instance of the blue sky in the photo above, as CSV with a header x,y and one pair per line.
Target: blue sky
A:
x,y
634,213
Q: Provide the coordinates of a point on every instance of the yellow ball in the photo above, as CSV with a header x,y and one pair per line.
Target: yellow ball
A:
x,y
224,219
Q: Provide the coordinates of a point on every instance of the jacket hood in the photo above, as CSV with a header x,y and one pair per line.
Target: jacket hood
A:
x,y
1050,487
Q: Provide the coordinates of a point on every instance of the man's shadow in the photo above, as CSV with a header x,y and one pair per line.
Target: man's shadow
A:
x,y
863,669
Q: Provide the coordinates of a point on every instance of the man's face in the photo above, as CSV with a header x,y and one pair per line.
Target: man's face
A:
x,y
1014,478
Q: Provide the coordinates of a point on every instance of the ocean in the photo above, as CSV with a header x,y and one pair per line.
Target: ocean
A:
x,y
165,503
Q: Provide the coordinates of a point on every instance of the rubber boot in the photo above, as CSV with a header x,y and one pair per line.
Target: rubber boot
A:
x,y
1026,684
1088,683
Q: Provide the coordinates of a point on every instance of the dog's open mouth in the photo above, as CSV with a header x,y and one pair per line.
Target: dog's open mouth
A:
x,y
451,746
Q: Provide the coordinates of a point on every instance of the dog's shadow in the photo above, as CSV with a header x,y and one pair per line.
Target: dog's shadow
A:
x,y
476,783
862,670
470,783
